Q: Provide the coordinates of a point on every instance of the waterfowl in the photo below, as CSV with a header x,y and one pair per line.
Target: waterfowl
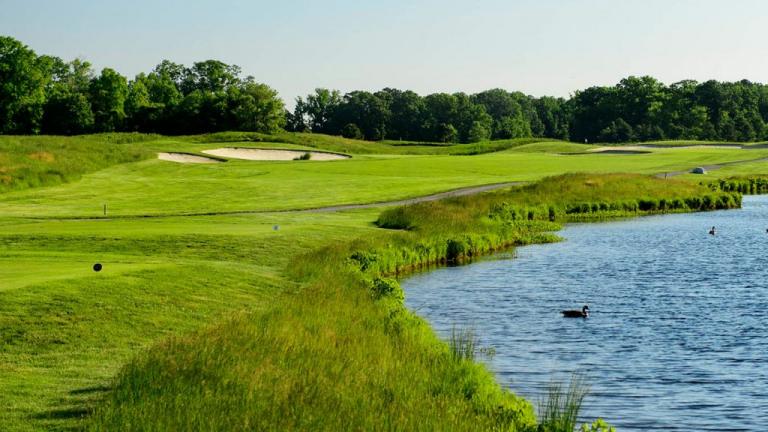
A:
x,y
583,313
712,231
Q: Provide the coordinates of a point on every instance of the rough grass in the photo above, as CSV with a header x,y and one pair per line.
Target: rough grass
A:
x,y
34,161
566,198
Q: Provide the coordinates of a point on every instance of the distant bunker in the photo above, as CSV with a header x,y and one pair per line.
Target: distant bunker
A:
x,y
626,150
257,154
187,158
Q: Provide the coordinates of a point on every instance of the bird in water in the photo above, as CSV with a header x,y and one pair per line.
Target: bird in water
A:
x,y
712,231
583,313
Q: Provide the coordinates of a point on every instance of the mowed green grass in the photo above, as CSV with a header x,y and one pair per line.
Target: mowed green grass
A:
x,y
65,331
155,187
754,169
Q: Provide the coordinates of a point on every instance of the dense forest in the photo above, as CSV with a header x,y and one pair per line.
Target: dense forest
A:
x,y
45,94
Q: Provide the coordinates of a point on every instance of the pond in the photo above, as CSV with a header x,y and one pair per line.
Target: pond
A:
x,y
677,338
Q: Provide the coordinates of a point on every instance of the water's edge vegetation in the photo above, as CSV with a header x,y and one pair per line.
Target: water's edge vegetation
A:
x,y
343,352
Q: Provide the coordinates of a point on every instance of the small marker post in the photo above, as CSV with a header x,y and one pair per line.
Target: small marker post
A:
x,y
105,209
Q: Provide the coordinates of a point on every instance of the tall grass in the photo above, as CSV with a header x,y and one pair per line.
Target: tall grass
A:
x,y
565,198
463,343
744,185
34,161
559,412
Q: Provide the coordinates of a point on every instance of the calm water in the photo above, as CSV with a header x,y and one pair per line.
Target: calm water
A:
x,y
678,336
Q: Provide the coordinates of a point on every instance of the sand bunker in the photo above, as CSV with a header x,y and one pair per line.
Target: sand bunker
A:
x,y
186,158
272,154
620,150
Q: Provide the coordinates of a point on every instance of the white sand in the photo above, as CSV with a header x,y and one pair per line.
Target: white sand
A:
x,y
645,148
271,155
186,158
619,148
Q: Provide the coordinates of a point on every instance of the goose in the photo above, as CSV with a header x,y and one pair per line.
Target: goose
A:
x,y
583,313
712,231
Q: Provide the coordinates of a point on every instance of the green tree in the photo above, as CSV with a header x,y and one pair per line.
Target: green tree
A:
x,y
350,130
207,76
554,115
640,102
257,108
446,132
509,119
478,132
440,112
142,114
67,110
617,131
369,112
407,110
23,81
317,111
108,93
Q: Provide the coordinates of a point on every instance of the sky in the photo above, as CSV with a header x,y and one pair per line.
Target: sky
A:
x,y
545,47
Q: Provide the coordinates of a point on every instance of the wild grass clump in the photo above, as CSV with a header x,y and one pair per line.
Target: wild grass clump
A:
x,y
559,412
464,343
742,185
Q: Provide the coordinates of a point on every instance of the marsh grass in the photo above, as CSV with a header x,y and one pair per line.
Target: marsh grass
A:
x,y
463,343
564,198
748,185
559,411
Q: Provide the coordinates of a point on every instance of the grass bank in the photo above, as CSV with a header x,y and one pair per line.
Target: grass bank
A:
x,y
35,161
342,352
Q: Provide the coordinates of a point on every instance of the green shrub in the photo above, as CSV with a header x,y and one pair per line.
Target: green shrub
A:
x,y
598,425
386,287
455,250
351,131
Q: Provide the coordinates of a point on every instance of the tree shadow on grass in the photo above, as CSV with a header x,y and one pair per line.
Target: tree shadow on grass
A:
x,y
91,389
72,409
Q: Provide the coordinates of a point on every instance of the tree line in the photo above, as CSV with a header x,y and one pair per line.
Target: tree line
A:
x,y
44,94
635,109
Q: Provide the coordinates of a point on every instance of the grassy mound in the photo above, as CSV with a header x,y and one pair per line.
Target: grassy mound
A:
x,y
33,161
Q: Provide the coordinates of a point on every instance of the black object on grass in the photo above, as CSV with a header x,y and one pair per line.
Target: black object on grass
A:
x,y
97,267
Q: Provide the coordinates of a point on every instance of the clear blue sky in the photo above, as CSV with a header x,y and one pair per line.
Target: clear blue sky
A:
x,y
546,47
